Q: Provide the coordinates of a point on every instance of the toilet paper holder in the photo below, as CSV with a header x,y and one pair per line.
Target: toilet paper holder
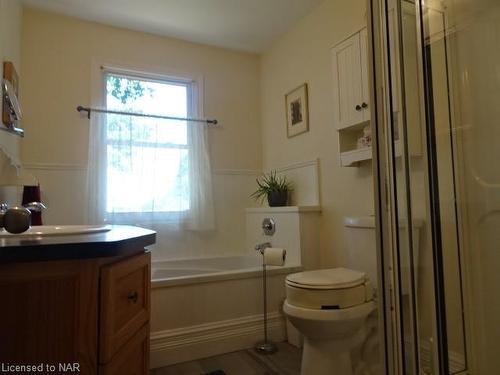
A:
x,y
262,246
266,346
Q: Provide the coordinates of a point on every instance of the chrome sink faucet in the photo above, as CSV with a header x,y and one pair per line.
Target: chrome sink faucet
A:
x,y
18,219
35,206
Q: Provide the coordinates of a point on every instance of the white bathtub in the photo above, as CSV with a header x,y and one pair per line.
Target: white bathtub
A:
x,y
199,270
207,306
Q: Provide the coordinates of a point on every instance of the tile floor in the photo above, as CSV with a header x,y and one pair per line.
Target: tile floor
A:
x,y
246,362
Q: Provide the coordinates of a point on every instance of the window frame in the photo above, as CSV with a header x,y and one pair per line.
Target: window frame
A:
x,y
193,91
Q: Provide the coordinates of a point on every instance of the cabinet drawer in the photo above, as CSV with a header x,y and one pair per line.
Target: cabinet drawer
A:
x,y
132,359
125,305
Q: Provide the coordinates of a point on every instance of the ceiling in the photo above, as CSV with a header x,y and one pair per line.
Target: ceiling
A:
x,y
248,25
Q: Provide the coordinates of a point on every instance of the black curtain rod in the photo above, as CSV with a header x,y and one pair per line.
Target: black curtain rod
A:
x,y
98,110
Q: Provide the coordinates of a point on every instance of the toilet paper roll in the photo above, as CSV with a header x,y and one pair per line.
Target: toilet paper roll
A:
x,y
274,256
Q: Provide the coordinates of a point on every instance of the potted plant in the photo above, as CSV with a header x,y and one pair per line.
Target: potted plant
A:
x,y
274,188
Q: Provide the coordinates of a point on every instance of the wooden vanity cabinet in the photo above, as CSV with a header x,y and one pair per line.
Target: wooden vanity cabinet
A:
x,y
94,312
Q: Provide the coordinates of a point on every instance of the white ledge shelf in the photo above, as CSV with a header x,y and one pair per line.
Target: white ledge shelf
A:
x,y
284,209
350,158
353,157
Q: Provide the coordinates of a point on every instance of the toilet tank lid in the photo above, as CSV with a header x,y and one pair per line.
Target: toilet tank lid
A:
x,y
333,278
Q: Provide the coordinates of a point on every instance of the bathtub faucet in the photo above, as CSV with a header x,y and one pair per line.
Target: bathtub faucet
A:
x,y
262,246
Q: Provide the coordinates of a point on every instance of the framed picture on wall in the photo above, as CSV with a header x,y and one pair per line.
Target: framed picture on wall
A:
x,y
297,111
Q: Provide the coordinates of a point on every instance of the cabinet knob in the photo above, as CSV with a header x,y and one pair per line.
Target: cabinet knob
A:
x,y
358,107
364,105
132,297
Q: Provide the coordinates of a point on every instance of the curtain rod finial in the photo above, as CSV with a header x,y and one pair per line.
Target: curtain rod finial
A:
x,y
84,109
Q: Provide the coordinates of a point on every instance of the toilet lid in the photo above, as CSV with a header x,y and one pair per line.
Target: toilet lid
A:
x,y
334,278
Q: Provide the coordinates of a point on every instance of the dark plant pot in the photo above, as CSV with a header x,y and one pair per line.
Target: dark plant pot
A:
x,y
277,198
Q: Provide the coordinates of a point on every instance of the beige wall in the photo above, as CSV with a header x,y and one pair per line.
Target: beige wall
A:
x,y
242,90
303,55
59,51
61,56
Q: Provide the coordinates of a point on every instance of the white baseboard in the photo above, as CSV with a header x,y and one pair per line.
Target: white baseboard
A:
x,y
205,340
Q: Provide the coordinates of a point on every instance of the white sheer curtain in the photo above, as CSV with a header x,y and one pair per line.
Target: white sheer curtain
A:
x,y
150,172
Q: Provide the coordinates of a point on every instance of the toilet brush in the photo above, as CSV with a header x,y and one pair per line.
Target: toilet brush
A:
x,y
266,346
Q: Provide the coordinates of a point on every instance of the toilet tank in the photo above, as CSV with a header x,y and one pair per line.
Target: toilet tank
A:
x,y
363,252
362,245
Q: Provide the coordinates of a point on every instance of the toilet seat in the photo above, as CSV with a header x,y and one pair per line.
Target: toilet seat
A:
x,y
350,313
333,278
329,289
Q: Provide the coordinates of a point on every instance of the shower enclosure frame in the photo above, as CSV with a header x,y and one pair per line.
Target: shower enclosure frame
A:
x,y
401,354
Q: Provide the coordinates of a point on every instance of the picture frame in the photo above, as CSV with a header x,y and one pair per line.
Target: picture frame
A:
x,y
297,111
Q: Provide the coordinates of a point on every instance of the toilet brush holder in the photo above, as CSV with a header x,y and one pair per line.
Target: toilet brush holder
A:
x,y
265,347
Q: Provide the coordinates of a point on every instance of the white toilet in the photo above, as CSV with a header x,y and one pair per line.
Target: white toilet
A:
x,y
329,307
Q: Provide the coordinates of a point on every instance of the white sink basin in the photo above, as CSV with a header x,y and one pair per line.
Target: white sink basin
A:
x,y
57,230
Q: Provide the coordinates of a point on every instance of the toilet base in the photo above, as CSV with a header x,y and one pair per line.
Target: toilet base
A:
x,y
330,356
324,357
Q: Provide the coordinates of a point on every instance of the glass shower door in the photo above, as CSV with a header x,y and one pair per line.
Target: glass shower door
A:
x,y
462,69
441,89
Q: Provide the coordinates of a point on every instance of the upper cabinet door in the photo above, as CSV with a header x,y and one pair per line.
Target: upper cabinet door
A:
x,y
347,77
365,84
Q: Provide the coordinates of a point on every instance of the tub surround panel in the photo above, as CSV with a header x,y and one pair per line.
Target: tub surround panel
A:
x,y
213,317
297,231
218,306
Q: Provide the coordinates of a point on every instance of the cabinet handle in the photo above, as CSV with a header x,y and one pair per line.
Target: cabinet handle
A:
x,y
133,297
358,107
364,105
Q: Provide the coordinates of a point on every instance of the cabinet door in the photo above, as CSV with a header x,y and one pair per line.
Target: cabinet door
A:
x,y
49,313
125,305
365,84
133,358
346,61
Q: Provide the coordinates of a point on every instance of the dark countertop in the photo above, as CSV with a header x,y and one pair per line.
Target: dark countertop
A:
x,y
120,240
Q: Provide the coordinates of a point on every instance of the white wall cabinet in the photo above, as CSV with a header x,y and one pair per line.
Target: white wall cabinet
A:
x,y
350,75
351,93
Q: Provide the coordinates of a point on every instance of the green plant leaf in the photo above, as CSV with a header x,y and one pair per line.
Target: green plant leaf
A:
x,y
270,182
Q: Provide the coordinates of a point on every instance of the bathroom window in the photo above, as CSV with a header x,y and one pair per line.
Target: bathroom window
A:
x,y
144,169
147,159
